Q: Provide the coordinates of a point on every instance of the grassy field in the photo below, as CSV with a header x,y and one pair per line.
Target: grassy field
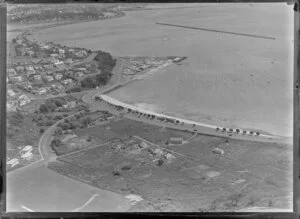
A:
x,y
248,174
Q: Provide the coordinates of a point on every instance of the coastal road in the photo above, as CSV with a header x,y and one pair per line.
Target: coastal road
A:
x,y
188,125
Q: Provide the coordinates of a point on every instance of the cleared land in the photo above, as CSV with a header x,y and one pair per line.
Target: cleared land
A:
x,y
183,177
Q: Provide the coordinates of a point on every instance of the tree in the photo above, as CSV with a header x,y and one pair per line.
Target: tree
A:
x,y
89,138
42,130
43,108
87,121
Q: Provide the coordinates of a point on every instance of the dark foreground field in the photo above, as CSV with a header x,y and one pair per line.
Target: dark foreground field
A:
x,y
183,177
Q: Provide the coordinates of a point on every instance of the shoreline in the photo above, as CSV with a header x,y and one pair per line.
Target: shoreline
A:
x,y
247,136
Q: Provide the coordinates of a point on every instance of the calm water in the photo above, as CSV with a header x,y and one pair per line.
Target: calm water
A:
x,y
227,79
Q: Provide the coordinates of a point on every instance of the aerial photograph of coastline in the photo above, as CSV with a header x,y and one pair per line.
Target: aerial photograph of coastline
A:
x,y
161,107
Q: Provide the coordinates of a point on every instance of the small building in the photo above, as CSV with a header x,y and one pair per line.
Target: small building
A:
x,y
58,76
81,69
29,68
144,144
69,61
18,78
61,51
19,42
23,100
11,71
71,50
27,148
49,78
20,68
13,162
79,74
67,81
45,47
176,140
54,55
169,156
28,155
48,66
218,151
42,91
58,63
158,151
30,53
37,77
11,93
71,104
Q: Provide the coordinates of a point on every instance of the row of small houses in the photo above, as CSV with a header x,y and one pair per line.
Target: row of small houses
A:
x,y
174,121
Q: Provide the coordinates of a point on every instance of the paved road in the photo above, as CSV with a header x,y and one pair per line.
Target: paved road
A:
x,y
201,128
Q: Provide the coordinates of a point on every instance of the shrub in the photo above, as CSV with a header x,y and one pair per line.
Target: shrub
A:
x,y
116,173
126,167
160,162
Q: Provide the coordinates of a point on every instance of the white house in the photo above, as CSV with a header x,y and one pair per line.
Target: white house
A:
x,y
49,78
27,155
11,71
218,151
67,81
11,93
27,148
13,162
23,100
42,91
37,77
18,78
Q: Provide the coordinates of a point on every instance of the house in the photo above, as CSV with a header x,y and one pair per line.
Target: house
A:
x,y
49,78
19,42
61,53
57,86
28,155
11,71
58,76
79,74
169,156
218,151
81,69
158,151
176,140
37,77
42,91
29,68
18,78
23,100
27,148
71,104
67,81
28,86
54,55
57,62
20,68
71,50
79,55
69,61
30,53
45,47
13,162
11,93
49,66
